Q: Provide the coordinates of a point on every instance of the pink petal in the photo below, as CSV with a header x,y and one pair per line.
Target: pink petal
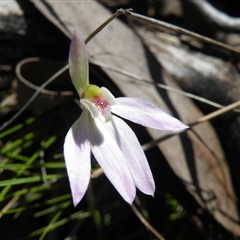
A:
x,y
78,63
110,158
77,157
134,155
146,114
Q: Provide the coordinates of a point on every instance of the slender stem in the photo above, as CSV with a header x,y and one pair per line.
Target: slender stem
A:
x,y
146,223
180,30
200,120
216,113
51,79
103,25
141,80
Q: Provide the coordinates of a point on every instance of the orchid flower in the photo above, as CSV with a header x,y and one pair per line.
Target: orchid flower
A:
x,y
112,142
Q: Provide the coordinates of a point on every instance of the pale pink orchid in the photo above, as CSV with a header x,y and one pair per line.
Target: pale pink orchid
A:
x,y
112,142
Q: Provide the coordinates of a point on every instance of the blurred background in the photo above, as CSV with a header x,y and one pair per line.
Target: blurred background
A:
x,y
187,75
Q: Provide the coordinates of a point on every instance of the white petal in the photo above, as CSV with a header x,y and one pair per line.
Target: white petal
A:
x,y
139,111
110,158
134,155
90,107
78,63
77,157
108,96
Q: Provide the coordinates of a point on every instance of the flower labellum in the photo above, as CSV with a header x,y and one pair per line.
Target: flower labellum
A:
x,y
112,142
